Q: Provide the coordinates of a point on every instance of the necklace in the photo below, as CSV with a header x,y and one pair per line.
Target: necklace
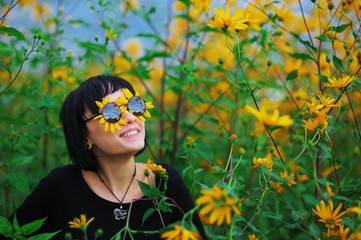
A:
x,y
119,213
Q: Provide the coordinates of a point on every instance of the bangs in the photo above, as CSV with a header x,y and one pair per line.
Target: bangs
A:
x,y
97,89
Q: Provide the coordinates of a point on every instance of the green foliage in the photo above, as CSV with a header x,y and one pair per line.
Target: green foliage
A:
x,y
201,80
14,231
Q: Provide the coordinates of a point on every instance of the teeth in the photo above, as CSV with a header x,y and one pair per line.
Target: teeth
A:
x,y
130,133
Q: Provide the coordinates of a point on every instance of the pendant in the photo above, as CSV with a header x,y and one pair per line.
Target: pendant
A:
x,y
120,213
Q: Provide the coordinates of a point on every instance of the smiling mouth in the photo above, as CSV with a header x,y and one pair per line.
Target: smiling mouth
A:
x,y
130,133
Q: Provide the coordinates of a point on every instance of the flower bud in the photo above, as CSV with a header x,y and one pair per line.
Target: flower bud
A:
x,y
242,151
220,61
330,5
99,232
328,60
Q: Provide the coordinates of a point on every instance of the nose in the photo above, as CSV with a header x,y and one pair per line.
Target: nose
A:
x,y
129,118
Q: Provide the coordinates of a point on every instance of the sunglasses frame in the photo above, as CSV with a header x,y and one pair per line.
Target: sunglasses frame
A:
x,y
143,102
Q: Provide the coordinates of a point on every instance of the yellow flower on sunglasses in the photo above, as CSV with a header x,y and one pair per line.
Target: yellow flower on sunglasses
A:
x,y
112,113
137,106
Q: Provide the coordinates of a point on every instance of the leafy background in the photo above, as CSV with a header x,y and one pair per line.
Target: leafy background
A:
x,y
200,79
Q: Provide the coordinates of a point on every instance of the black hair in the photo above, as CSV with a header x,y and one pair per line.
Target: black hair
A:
x,y
72,115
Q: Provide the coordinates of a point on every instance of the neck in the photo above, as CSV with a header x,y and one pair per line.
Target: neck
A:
x,y
117,175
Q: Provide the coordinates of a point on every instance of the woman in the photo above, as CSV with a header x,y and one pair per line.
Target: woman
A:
x,y
101,192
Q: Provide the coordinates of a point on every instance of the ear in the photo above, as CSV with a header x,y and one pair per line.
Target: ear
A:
x,y
89,144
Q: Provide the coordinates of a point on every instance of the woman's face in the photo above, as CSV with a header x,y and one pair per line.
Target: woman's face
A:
x,y
126,142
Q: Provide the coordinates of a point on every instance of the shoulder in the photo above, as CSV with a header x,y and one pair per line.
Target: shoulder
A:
x,y
60,176
67,169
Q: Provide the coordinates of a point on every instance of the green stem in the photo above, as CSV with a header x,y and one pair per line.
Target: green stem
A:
x,y
229,157
354,116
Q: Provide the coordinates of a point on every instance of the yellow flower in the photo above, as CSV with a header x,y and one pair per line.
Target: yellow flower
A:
x,y
148,105
283,15
40,10
81,223
329,216
339,83
224,20
190,140
129,4
109,34
302,177
318,110
154,167
180,233
252,237
233,136
270,117
25,3
329,190
113,125
268,163
326,101
218,205
278,187
289,178
202,5
133,47
340,233
62,73
251,19
354,210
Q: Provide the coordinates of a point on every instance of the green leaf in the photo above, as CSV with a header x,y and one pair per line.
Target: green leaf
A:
x,y
338,64
292,75
149,190
44,236
78,21
323,78
6,228
322,181
147,214
198,170
302,56
20,181
306,43
185,171
326,149
31,227
12,32
340,28
18,161
150,55
203,186
323,38
164,206
314,230
15,121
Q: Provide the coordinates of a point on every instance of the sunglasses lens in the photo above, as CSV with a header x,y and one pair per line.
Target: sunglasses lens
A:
x,y
111,112
137,105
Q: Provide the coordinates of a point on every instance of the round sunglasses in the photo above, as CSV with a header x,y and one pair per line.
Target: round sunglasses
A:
x,y
111,111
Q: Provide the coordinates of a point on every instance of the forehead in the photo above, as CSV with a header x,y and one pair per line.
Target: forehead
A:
x,y
113,96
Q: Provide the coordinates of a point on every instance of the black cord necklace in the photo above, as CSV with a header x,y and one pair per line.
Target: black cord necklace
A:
x,y
119,213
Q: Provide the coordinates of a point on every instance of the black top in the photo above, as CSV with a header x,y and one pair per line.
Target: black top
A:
x,y
63,194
